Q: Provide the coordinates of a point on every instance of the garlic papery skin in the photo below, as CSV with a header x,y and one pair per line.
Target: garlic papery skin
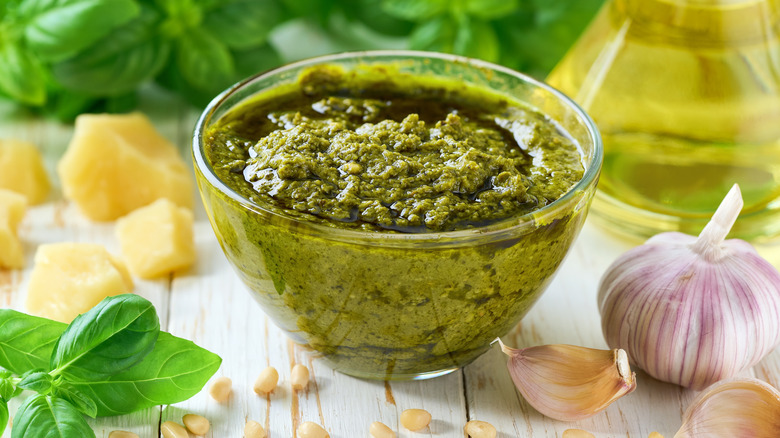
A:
x,y
693,311
567,382
734,408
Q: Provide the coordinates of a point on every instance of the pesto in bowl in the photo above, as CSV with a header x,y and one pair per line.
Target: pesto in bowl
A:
x,y
395,211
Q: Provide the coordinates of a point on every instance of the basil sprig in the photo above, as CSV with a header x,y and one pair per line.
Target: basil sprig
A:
x,y
112,360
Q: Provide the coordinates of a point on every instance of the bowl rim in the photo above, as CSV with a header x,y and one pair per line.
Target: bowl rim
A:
x,y
494,229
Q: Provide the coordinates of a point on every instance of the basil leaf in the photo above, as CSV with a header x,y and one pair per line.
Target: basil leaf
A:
x,y
477,39
21,75
256,60
79,400
173,372
110,338
415,10
243,24
204,62
490,9
39,381
8,390
129,56
3,416
61,29
43,417
26,341
435,35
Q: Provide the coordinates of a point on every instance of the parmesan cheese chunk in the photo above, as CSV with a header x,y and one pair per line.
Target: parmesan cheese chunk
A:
x,y
157,239
70,278
118,163
12,208
22,170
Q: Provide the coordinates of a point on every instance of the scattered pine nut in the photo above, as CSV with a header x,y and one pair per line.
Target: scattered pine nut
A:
x,y
309,429
196,424
221,389
299,377
415,419
577,433
380,430
652,435
253,429
122,434
170,429
479,429
266,381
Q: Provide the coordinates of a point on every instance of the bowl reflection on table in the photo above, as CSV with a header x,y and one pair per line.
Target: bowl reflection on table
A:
x,y
393,305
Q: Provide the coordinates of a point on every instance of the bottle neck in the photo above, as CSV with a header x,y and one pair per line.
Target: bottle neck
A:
x,y
702,22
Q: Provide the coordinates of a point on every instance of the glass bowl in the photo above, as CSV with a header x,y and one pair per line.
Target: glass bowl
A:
x,y
394,305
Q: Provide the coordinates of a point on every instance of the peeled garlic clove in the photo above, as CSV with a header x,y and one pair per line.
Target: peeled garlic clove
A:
x,y
693,311
567,382
735,408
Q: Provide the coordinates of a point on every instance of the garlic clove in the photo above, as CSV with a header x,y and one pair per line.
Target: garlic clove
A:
x,y
740,407
567,382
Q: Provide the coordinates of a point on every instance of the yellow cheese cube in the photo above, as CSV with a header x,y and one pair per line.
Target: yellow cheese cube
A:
x,y
118,163
12,207
157,239
71,278
22,170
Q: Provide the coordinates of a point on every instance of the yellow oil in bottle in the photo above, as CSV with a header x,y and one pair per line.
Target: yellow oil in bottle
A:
x,y
686,94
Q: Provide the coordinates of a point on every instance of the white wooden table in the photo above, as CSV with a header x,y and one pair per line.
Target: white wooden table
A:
x,y
209,305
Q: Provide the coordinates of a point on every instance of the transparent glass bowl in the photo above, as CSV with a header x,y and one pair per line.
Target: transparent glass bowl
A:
x,y
392,305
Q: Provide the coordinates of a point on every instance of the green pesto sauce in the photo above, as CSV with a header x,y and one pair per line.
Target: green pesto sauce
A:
x,y
379,160
368,152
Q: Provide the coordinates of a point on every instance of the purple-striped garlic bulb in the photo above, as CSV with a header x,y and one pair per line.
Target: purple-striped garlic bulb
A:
x,y
693,311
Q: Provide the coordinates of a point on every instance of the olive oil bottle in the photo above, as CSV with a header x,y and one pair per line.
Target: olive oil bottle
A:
x,y
686,94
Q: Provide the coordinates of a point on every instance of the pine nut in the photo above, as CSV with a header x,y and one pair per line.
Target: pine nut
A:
x,y
173,430
253,429
380,430
266,381
311,430
221,389
577,433
479,429
196,424
299,377
415,419
122,434
652,435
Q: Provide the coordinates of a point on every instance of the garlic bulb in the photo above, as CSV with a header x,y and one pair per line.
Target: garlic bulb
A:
x,y
689,310
735,408
567,382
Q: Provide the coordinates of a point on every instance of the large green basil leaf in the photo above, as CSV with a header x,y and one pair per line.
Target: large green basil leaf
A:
x,y
21,75
129,56
58,29
243,24
110,338
173,372
43,417
204,62
3,416
26,342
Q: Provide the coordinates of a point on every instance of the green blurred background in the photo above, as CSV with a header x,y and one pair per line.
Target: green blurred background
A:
x,y
65,57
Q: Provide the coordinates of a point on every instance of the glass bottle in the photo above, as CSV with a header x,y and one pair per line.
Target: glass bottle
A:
x,y
686,94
